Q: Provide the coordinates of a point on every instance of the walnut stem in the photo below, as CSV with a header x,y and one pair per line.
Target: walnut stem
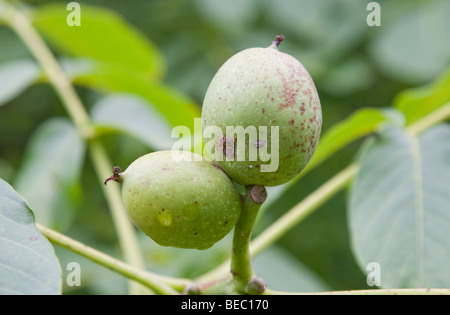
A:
x,y
115,176
278,40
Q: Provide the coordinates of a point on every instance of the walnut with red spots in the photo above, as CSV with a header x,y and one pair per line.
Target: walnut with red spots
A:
x,y
263,87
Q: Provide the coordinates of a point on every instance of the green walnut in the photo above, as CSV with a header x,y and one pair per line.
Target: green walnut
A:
x,y
179,199
264,101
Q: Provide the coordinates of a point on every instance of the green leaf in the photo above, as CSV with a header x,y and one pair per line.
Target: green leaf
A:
x,y
398,208
49,176
418,102
135,116
28,264
15,77
177,108
103,35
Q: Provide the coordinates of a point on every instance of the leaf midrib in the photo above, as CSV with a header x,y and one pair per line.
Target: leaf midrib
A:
x,y
418,204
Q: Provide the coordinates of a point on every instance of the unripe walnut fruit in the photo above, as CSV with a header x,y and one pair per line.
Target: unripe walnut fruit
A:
x,y
180,199
266,89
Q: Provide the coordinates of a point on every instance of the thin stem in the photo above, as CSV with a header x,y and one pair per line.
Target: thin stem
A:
x,y
368,292
241,265
20,23
155,282
224,286
433,118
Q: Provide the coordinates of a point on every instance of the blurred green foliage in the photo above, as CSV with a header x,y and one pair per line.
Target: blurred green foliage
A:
x,y
177,47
